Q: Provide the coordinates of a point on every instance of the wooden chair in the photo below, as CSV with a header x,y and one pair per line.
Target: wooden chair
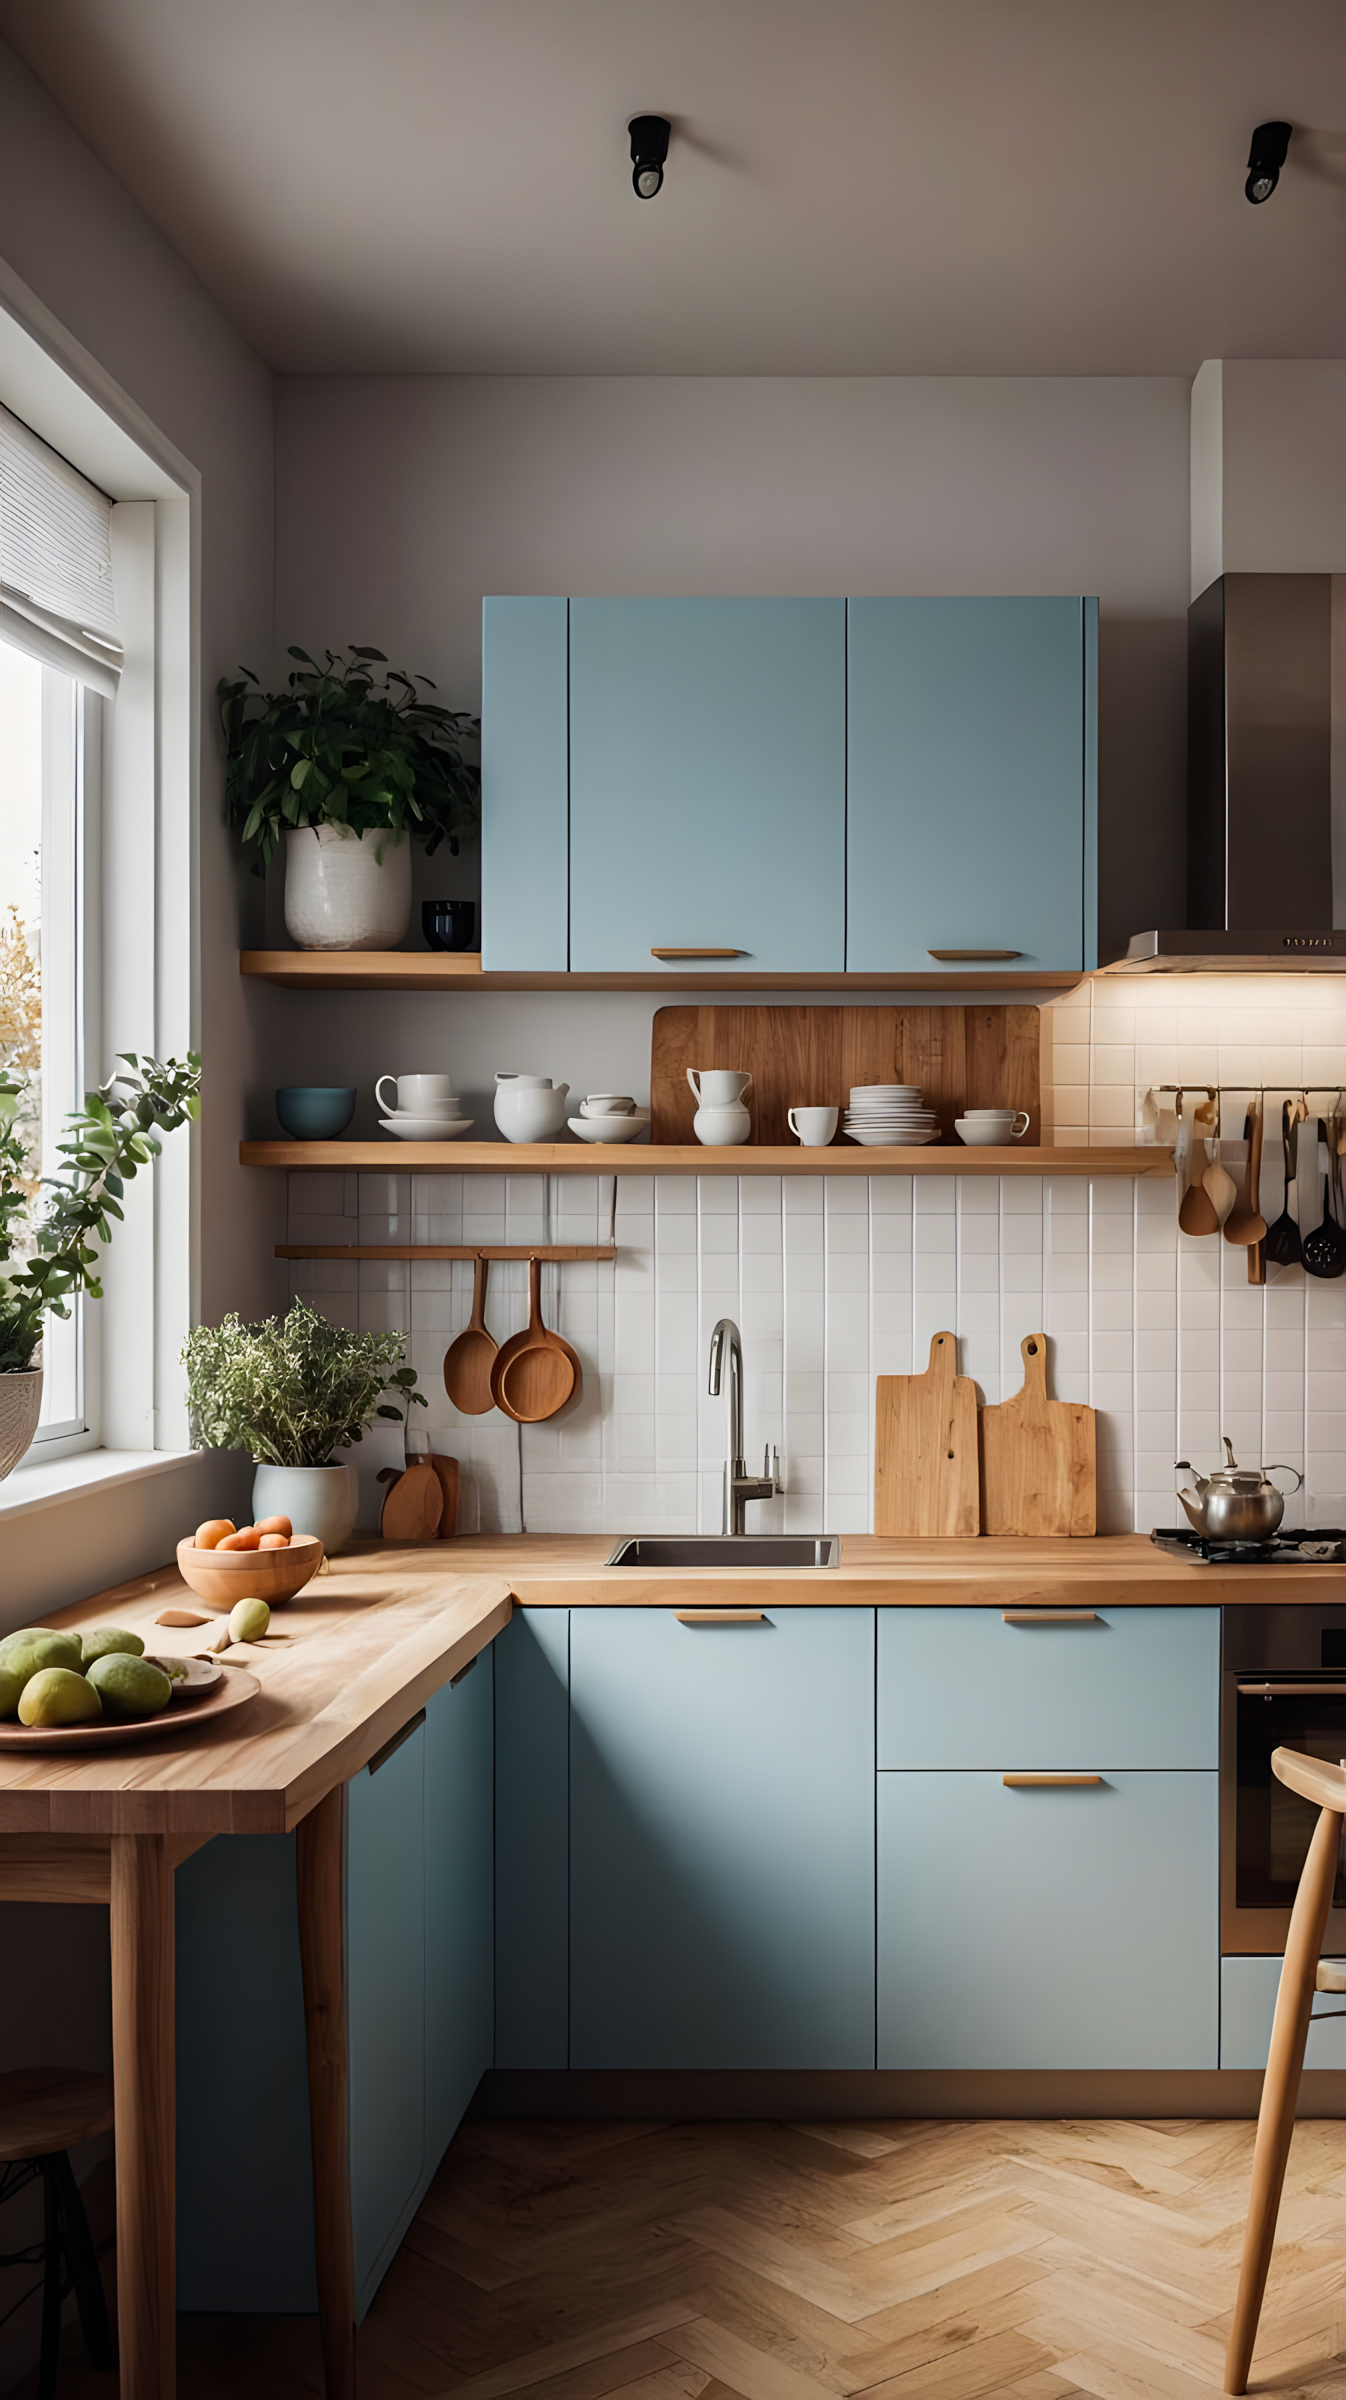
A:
x,y
1303,1973
44,2111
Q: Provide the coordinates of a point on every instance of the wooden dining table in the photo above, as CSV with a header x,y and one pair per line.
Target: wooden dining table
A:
x,y
341,1670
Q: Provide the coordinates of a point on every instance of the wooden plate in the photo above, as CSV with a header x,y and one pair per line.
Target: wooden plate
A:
x,y
235,1687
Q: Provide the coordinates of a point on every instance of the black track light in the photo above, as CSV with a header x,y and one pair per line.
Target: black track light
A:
x,y
649,149
1265,160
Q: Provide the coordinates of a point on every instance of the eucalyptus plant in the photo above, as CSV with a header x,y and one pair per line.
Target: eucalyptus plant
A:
x,y
341,747
291,1390
107,1142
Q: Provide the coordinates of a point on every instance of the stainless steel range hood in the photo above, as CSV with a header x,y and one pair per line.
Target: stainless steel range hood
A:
x,y
1266,783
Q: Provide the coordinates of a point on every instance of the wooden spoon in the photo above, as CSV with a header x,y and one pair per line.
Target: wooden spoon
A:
x,y
1197,1215
1245,1224
1221,1190
534,1374
469,1360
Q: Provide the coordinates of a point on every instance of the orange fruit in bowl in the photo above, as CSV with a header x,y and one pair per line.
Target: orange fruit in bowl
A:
x,y
246,1538
274,1525
273,1541
212,1533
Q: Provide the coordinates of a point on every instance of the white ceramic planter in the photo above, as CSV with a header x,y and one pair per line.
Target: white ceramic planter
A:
x,y
20,1408
346,891
321,1500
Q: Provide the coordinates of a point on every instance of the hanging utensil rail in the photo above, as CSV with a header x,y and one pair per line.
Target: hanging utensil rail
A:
x,y
556,1253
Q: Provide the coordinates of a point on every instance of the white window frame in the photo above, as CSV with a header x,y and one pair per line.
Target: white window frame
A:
x,y
138,938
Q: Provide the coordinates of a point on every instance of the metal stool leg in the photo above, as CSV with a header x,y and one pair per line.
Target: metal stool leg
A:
x,y
1280,2089
51,2284
82,2260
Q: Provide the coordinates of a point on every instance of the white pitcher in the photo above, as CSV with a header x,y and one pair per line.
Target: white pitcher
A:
x,y
718,1087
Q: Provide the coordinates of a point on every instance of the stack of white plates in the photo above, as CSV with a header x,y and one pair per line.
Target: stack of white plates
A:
x,y
884,1113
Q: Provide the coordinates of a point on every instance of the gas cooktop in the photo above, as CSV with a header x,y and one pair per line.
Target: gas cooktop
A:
x,y
1324,1546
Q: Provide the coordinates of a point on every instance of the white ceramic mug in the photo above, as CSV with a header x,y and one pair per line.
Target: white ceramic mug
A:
x,y
996,1126
418,1095
814,1127
718,1087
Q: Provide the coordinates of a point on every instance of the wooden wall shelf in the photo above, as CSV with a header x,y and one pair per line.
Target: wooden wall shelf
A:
x,y
637,1158
552,1253
461,971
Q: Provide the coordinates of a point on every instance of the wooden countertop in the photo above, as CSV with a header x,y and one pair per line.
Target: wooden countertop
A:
x,y
1119,1570
363,1647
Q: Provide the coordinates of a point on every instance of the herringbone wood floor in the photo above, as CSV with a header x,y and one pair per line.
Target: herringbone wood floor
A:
x,y
806,2262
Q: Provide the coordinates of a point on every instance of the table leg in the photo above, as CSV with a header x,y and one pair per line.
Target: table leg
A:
x,y
322,1953
144,2072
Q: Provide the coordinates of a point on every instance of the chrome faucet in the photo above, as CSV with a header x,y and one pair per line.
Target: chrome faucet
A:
x,y
739,1486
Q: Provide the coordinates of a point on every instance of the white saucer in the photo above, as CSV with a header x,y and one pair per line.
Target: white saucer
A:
x,y
610,1129
425,1129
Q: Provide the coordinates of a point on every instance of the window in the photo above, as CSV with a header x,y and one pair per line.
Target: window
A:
x,y
55,573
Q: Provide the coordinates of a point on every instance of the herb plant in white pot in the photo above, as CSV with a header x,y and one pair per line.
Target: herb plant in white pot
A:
x,y
107,1142
347,769
291,1390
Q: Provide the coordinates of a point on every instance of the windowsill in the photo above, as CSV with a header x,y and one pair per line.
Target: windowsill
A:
x,y
47,1482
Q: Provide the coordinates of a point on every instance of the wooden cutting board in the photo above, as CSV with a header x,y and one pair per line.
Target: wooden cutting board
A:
x,y
1038,1472
972,1057
925,1448
413,1503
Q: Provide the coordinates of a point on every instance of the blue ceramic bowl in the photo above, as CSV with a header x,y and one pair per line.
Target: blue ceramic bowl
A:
x,y
315,1112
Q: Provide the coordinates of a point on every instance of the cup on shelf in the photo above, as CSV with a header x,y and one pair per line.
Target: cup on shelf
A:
x,y
449,924
814,1127
315,1112
418,1096
982,1126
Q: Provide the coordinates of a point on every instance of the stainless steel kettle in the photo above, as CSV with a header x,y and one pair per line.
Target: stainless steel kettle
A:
x,y
1235,1504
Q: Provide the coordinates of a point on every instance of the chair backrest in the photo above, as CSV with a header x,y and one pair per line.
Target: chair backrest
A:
x,y
1313,1778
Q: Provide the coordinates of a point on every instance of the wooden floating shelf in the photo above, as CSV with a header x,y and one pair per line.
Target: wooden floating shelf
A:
x,y
635,1158
461,971
552,1253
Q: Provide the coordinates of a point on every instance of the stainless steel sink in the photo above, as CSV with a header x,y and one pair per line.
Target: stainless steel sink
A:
x,y
727,1550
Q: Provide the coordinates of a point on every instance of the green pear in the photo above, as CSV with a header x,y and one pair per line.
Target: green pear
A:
x,y
58,1696
129,1687
104,1640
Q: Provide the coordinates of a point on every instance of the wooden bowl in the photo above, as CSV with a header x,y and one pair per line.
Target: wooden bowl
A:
x,y
225,1576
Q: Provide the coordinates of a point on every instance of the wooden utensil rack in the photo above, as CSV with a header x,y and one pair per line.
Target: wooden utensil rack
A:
x,y
552,1253
1305,1092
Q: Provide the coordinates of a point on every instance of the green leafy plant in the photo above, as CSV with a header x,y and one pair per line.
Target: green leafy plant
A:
x,y
107,1142
293,1389
340,747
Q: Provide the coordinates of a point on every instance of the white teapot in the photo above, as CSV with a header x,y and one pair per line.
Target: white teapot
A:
x,y
530,1108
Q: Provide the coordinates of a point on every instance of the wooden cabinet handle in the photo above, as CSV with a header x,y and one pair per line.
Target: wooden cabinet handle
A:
x,y
1289,1691
721,1616
698,953
1049,1616
1035,1783
958,956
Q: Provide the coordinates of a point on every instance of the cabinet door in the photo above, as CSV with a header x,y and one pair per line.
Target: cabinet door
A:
x,y
459,1901
1071,1926
722,1840
385,1988
970,781
707,782
532,1839
525,837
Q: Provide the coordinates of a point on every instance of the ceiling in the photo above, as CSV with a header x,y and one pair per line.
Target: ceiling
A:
x,y
855,187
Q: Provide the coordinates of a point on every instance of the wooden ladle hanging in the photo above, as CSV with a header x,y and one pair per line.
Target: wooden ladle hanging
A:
x,y
535,1372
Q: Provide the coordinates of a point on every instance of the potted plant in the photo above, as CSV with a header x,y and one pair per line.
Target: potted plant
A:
x,y
291,1390
107,1142
347,768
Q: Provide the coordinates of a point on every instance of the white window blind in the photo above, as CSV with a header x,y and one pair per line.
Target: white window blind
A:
x,y
56,596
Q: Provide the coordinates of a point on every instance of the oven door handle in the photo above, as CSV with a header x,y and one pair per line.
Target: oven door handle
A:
x,y
1289,1691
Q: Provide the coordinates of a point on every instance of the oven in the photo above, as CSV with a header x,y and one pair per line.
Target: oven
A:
x,y
1283,1686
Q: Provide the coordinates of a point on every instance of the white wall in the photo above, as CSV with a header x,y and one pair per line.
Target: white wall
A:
x,y
1268,468
403,499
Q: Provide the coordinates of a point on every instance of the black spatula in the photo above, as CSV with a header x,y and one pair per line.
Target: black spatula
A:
x,y
1325,1250
1284,1248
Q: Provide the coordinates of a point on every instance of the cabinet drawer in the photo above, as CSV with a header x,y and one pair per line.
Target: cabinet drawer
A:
x,y
1061,1927
1134,1687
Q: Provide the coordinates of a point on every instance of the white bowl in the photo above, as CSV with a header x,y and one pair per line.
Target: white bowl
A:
x,y
978,1134
610,1128
889,1141
425,1129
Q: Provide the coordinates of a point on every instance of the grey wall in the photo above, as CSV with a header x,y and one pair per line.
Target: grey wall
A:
x,y
402,499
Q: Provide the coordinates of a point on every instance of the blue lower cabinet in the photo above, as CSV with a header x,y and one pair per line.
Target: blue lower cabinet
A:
x,y
722,1840
459,1901
245,2178
532,1839
1058,1926
1248,1988
385,1985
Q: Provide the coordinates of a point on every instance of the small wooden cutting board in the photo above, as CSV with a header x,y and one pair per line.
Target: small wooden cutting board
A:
x,y
925,1448
413,1503
1038,1471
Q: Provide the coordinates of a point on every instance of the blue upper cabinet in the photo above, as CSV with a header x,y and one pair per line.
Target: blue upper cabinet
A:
x,y
722,1840
524,778
707,782
971,783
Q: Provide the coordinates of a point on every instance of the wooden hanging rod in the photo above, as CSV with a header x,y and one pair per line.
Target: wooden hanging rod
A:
x,y
563,1253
